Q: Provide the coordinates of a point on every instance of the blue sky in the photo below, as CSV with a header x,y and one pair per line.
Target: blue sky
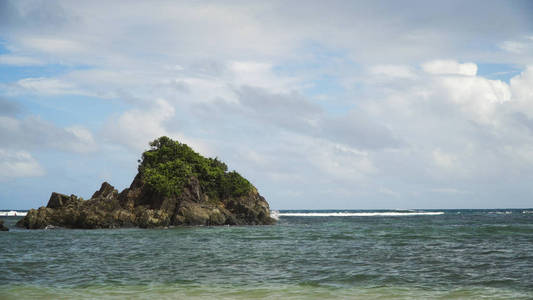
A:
x,y
337,104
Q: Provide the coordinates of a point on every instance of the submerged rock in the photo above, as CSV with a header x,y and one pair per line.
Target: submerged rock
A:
x,y
174,186
2,227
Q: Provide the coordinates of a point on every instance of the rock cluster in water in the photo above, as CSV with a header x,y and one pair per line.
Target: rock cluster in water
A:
x,y
174,186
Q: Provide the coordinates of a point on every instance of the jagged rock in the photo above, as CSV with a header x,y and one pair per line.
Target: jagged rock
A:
x,y
2,227
145,206
59,200
106,191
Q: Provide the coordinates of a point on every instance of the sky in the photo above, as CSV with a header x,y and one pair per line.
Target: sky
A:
x,y
320,104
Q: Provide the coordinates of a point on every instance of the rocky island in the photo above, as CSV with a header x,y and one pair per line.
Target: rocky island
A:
x,y
174,186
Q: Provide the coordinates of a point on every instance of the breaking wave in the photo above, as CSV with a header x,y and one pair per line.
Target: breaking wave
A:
x,y
13,213
507,212
360,214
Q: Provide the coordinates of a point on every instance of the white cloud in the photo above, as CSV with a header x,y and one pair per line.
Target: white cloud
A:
x,y
444,160
45,86
451,191
456,126
479,97
519,46
83,141
522,90
393,71
136,127
259,74
513,47
19,60
52,45
450,67
35,133
334,162
18,163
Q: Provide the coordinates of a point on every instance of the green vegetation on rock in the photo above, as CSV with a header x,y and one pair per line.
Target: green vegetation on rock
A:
x,y
168,166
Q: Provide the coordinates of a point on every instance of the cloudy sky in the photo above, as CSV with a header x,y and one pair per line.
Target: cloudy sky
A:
x,y
321,104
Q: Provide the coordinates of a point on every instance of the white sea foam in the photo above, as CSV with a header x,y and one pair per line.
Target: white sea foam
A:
x,y
527,211
13,213
360,214
500,212
274,214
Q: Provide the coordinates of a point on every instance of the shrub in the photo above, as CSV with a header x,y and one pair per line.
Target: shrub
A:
x,y
169,165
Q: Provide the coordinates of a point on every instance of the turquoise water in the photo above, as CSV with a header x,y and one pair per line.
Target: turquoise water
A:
x,y
460,254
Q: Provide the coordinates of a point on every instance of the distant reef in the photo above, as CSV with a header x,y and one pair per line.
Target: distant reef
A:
x,y
174,186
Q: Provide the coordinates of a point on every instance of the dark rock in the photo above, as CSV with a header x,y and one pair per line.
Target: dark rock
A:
x,y
192,213
2,227
106,191
150,218
59,200
37,218
140,206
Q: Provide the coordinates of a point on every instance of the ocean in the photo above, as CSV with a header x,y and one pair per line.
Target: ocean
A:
x,y
427,254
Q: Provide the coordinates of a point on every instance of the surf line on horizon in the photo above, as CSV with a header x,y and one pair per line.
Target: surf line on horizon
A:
x,y
13,213
359,214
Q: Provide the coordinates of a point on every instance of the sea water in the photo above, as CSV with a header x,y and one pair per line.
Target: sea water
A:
x,y
444,254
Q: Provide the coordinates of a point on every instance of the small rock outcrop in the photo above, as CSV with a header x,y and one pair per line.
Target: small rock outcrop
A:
x,y
174,186
2,227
